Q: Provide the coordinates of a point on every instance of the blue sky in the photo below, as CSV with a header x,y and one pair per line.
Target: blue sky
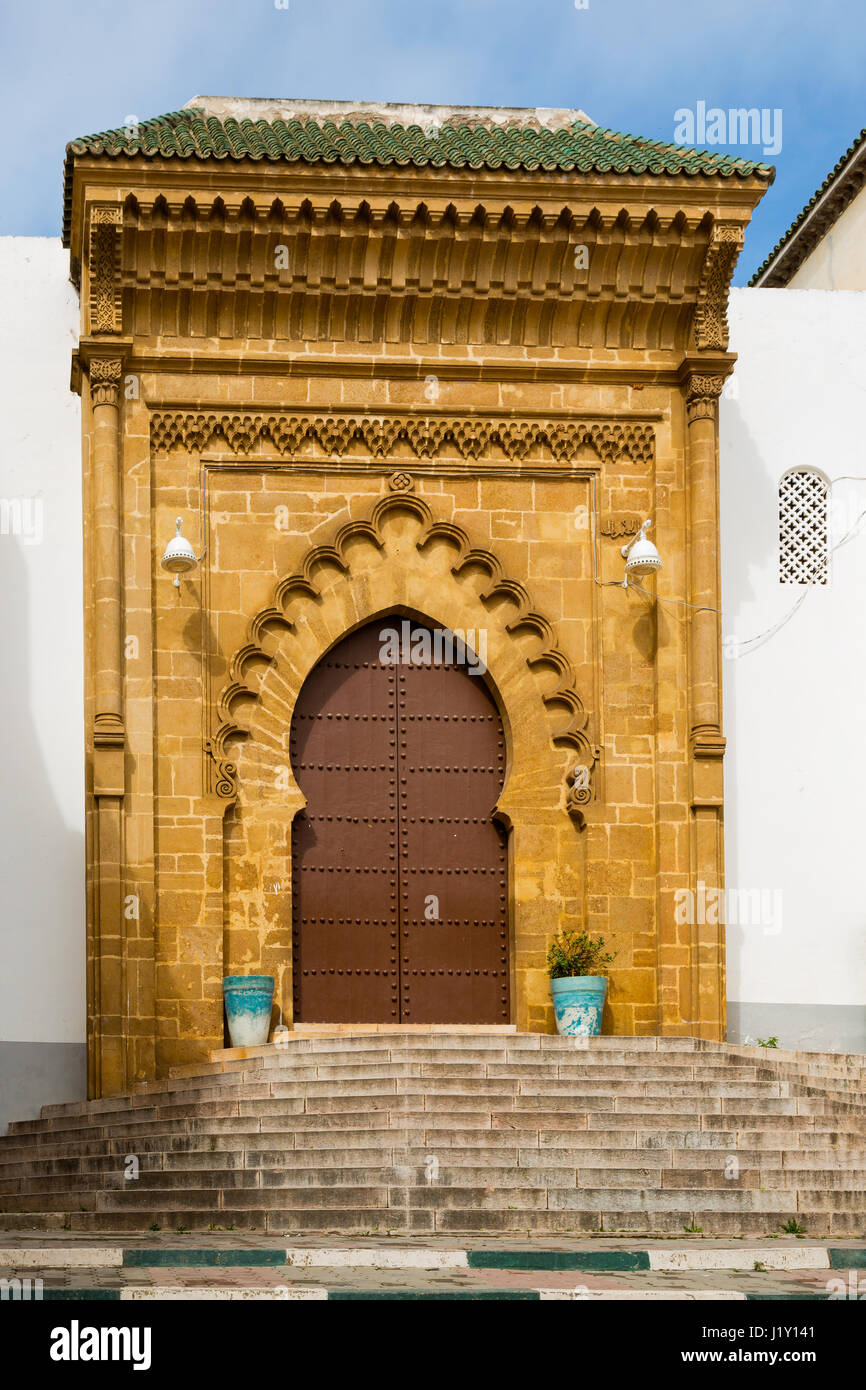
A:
x,y
69,70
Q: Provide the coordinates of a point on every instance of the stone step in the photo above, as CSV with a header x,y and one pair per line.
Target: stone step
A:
x,y
527,1132
833,1168
355,1062
781,1202
294,1221
422,1079
424,1100
279,1087
683,1066
732,1140
36,1202
168,1140
224,1185
454,1038
515,1043
239,1200
437,1130
277,1098
35,1221
505,1080
215,1085
461,1221
671,1223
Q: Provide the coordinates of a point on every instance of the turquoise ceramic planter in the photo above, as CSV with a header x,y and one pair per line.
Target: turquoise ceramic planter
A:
x,y
248,1000
578,1002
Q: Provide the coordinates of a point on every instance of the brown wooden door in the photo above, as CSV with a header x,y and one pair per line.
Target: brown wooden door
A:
x,y
399,873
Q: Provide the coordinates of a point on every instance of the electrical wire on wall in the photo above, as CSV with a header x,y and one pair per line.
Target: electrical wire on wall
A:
x,y
673,603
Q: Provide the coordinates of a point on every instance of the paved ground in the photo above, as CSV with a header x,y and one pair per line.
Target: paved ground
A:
x,y
472,1283
254,1240
217,1265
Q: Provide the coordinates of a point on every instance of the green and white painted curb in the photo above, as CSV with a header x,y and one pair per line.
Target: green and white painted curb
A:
x,y
742,1258
307,1294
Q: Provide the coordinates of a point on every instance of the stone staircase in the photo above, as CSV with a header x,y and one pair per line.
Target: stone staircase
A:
x,y
419,1131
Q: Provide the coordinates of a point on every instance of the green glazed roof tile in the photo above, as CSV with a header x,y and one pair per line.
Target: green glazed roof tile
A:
x,y
801,217
577,146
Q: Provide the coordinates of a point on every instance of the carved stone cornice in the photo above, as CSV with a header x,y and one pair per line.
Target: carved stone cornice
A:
x,y
375,265
711,310
105,303
105,376
472,436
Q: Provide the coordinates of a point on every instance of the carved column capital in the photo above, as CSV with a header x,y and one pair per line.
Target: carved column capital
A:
x,y
702,394
105,376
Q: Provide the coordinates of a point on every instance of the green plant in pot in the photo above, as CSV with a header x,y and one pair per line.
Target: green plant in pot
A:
x,y
578,983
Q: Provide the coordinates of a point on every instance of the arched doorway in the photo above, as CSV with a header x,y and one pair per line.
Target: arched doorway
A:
x,y
399,871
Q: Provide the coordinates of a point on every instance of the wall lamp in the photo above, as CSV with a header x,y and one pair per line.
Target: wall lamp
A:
x,y
179,557
640,555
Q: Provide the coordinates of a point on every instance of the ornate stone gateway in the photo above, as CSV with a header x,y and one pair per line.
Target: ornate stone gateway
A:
x,y
399,871
383,368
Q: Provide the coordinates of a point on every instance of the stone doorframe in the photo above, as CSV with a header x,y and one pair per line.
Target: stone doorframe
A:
x,y
402,561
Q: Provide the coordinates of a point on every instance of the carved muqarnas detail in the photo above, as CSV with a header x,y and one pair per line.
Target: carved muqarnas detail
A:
x,y
105,296
471,436
104,375
711,311
563,696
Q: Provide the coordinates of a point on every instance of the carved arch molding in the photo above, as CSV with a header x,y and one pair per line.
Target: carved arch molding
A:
x,y
551,678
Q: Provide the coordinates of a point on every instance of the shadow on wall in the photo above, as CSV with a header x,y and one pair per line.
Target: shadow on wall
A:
x,y
748,535
42,941
747,541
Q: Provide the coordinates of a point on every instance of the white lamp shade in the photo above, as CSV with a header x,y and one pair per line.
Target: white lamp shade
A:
x,y
179,555
641,557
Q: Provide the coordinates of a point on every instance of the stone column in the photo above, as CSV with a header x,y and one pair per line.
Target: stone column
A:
x,y
105,376
106,1010
704,999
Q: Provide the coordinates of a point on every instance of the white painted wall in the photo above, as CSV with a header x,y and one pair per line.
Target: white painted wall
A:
x,y
795,702
838,262
42,924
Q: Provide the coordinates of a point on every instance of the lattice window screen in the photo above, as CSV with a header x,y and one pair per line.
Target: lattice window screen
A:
x,y
803,532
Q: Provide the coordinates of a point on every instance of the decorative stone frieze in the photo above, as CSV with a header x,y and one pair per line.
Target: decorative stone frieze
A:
x,y
711,311
106,313
427,437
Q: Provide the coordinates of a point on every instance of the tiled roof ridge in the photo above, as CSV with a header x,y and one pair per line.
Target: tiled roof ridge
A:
x,y
577,146
386,113
835,208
